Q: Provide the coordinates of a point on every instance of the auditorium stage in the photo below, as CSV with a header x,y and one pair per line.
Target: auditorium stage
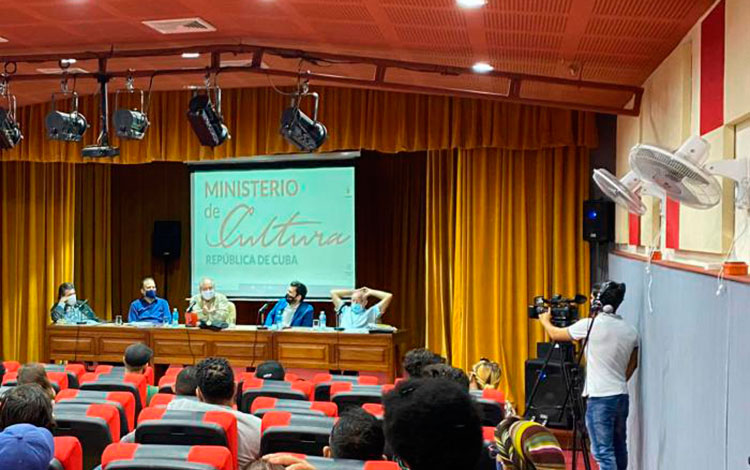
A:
x,y
243,345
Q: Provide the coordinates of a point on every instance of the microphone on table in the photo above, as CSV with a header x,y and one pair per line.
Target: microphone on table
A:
x,y
338,315
260,320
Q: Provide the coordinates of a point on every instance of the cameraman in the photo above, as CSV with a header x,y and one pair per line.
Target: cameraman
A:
x,y
611,358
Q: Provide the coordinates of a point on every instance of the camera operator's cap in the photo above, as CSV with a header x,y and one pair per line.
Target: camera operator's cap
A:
x,y
27,447
270,370
138,355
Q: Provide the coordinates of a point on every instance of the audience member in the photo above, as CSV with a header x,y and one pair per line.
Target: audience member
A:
x,y
287,462
26,447
216,391
270,370
265,465
186,382
432,425
444,371
485,374
136,359
291,310
28,404
149,307
526,445
356,435
34,373
418,358
68,309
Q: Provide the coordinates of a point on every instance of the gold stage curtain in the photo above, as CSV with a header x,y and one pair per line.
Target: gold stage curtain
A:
x,y
93,237
37,227
502,227
386,122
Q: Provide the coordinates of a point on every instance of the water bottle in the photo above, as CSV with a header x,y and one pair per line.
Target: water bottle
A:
x,y
175,317
322,319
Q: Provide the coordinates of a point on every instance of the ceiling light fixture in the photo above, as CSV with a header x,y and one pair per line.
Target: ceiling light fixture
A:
x,y
67,127
130,123
10,132
482,67
205,116
190,55
67,62
471,3
297,128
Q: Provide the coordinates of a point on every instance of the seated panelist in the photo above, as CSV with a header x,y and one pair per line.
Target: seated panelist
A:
x,y
68,309
209,304
149,308
356,314
291,310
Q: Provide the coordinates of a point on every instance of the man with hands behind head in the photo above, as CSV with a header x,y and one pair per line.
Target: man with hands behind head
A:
x,y
356,314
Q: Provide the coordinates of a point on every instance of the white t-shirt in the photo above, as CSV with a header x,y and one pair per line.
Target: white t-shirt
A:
x,y
287,314
248,428
351,320
608,353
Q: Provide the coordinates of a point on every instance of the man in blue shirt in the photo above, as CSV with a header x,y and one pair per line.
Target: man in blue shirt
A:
x,y
291,310
149,308
355,314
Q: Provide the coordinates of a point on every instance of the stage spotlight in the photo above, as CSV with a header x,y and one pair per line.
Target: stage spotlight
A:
x,y
67,127
130,123
298,129
10,133
206,120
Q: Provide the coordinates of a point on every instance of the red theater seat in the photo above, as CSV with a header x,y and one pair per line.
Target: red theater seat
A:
x,y
137,456
123,401
11,366
133,383
68,454
322,463
486,461
282,431
73,371
173,371
492,403
166,384
347,395
177,427
121,371
96,426
262,405
253,388
58,380
375,409
322,383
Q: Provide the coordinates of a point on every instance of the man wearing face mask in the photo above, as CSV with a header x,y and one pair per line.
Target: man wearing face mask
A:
x,y
149,308
356,314
291,310
70,310
209,304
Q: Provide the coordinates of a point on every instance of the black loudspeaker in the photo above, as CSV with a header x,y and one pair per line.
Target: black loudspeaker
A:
x,y
598,221
166,241
550,394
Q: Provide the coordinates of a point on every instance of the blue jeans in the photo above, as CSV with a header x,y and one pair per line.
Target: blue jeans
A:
x,y
606,420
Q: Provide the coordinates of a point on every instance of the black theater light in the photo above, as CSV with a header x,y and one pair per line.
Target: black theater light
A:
x,y
299,129
204,114
10,132
130,123
67,127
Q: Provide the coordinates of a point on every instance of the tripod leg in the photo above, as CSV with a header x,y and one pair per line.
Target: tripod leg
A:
x,y
579,426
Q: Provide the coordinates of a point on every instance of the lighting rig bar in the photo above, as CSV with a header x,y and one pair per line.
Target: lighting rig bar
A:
x,y
378,81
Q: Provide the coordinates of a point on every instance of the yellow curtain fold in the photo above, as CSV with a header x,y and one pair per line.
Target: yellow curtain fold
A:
x,y
386,122
36,242
503,226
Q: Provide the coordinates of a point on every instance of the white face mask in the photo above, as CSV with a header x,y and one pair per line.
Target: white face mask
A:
x,y
72,300
208,294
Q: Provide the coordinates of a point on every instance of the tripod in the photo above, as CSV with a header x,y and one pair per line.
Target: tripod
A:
x,y
572,378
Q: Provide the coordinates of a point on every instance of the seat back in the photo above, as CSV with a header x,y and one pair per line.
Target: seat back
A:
x,y
213,457
124,399
11,366
375,409
346,395
95,426
486,461
123,420
322,383
120,371
282,431
166,384
321,408
132,383
71,374
492,404
178,427
322,463
68,454
253,388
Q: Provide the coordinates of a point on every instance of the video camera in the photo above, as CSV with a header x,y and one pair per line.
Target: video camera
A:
x,y
564,312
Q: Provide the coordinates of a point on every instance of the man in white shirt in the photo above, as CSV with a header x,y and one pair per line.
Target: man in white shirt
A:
x,y
611,359
215,392
356,314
